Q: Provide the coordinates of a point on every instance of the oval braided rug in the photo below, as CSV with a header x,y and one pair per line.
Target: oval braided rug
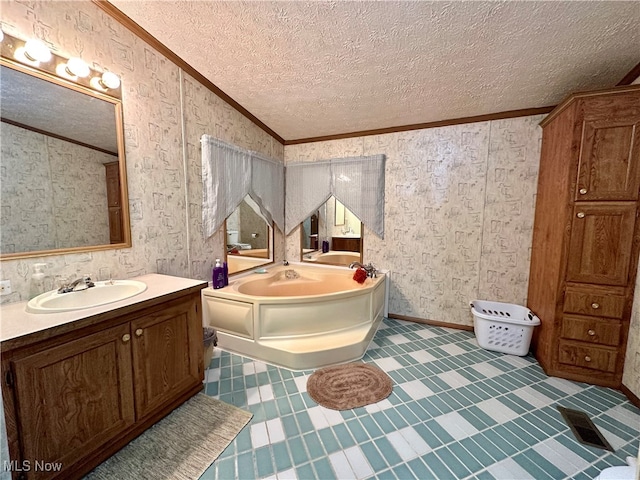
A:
x,y
351,385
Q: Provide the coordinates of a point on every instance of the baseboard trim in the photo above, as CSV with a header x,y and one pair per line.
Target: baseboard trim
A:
x,y
633,398
435,323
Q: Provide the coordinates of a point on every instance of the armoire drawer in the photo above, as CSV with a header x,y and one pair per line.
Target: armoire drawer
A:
x,y
604,331
597,301
587,356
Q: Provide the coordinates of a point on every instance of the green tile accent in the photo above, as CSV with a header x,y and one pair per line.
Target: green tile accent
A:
x,y
270,409
482,457
440,404
323,469
343,436
383,422
420,470
438,431
477,418
302,472
226,469
515,403
242,442
298,450
492,449
290,426
314,446
542,463
402,471
525,431
505,440
407,414
450,400
304,422
372,428
246,466
284,407
387,450
452,463
485,476
281,456
536,471
465,457
441,472
396,419
375,459
329,440
569,441
263,461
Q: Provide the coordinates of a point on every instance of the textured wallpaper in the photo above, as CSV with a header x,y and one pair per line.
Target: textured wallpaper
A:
x,y
458,213
53,193
163,171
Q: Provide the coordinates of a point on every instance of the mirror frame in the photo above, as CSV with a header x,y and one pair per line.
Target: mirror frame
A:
x,y
124,197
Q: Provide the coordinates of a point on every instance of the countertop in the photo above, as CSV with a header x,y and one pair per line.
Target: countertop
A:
x,y
16,322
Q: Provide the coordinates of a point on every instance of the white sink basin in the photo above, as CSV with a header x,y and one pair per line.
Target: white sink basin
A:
x,y
102,293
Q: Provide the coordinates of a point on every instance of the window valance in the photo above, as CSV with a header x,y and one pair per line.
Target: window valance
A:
x,y
230,173
357,182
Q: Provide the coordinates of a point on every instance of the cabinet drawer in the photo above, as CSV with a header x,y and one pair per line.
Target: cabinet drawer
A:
x,y
592,329
587,356
593,302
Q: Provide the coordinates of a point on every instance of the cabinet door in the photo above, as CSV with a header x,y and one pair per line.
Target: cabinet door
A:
x,y
115,225
609,158
601,243
75,397
167,355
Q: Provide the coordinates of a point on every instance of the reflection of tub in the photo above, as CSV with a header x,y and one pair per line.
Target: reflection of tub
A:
x,y
337,257
321,318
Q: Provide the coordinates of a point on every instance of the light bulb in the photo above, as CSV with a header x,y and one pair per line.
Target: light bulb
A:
x,y
110,80
37,51
1,35
77,67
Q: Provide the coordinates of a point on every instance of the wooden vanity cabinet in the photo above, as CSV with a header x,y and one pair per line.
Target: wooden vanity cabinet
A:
x,y
586,235
75,399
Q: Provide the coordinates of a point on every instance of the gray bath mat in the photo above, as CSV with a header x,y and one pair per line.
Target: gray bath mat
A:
x,y
181,446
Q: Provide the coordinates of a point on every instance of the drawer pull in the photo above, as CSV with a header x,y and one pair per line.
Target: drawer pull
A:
x,y
595,305
587,358
591,333
583,191
139,332
580,215
126,337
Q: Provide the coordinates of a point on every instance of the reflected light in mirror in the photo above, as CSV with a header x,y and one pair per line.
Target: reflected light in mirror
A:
x,y
343,235
249,238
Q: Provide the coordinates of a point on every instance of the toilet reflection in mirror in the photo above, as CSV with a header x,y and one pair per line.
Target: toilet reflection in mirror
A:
x,y
249,238
341,229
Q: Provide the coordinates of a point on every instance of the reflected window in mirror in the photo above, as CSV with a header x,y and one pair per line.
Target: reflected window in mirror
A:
x,y
332,235
63,179
249,238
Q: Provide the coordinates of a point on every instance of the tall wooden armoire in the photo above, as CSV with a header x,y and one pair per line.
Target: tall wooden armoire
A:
x,y
586,235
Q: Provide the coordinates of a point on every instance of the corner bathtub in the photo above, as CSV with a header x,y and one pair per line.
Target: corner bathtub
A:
x,y
321,318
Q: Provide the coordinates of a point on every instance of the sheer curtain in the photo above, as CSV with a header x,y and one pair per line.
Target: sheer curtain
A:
x,y
230,173
357,182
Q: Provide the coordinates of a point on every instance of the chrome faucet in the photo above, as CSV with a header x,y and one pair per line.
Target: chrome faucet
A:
x,y
372,271
72,287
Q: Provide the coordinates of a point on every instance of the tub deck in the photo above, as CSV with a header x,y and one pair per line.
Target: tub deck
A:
x,y
298,331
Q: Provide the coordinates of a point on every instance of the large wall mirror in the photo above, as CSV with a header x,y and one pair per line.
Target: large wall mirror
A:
x,y
249,238
335,224
62,177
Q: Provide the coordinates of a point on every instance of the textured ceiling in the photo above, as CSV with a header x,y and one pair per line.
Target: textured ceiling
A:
x,y
308,69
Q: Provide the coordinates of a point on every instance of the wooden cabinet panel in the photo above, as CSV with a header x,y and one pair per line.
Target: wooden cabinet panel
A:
x,y
116,232
589,300
166,360
74,397
115,225
588,356
601,243
586,236
345,244
609,159
592,329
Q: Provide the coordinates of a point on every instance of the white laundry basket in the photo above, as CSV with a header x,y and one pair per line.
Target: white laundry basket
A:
x,y
503,327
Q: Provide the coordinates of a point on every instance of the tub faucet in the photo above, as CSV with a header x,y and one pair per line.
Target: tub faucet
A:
x,y
372,271
71,287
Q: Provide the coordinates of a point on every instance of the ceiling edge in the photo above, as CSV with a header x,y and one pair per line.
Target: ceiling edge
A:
x,y
136,29
631,76
420,126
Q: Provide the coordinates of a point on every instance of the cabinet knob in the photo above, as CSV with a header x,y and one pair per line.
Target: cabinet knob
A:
x,y
126,337
595,305
591,333
587,358
580,215
583,191
139,332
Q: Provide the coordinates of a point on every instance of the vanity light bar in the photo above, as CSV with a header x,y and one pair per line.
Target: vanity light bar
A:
x,y
36,54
